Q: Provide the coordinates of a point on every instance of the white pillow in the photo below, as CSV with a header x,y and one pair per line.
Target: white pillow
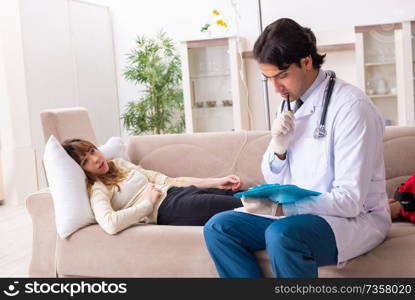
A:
x,y
114,148
67,184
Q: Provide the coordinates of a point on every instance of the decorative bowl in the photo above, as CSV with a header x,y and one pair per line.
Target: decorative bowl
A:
x,y
211,103
227,102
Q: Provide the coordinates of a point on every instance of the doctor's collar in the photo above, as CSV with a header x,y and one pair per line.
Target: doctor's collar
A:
x,y
321,76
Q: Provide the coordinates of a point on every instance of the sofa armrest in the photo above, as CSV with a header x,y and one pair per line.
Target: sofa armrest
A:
x,y
40,208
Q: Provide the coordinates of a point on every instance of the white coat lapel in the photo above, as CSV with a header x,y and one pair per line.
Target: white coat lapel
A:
x,y
314,101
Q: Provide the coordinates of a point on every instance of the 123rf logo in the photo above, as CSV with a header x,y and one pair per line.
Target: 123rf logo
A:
x,y
67,288
11,290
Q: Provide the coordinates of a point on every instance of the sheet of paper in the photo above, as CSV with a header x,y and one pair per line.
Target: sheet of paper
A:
x,y
242,209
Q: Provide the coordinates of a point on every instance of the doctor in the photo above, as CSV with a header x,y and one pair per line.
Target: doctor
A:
x,y
345,164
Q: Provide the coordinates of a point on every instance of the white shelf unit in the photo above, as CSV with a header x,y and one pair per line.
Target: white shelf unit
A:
x,y
1,181
384,53
214,95
371,64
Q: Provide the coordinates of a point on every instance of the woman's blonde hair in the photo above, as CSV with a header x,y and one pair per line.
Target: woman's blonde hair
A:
x,y
77,149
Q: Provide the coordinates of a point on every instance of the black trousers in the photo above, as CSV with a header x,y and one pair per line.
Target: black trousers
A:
x,y
194,206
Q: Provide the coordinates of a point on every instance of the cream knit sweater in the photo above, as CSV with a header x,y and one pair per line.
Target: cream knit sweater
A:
x,y
116,210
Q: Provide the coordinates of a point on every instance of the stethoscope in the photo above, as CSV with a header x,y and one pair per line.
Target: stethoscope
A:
x,y
320,131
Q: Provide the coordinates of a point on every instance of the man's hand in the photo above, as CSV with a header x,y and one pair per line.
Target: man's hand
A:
x,y
231,182
282,131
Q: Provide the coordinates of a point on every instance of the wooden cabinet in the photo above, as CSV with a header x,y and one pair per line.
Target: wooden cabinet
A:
x,y
214,85
385,62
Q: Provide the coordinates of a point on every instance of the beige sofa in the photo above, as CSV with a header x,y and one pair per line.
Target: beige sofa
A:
x,y
179,251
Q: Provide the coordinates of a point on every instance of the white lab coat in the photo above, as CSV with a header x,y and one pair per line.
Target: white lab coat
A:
x,y
346,166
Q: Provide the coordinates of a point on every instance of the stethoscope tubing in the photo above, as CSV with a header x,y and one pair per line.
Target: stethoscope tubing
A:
x,y
320,130
327,96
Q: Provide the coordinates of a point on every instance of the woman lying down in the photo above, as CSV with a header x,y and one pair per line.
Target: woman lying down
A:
x,y
123,194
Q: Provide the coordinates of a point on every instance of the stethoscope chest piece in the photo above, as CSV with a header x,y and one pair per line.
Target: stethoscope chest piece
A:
x,y
320,131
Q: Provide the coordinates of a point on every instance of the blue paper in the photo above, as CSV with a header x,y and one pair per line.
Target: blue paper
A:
x,y
280,193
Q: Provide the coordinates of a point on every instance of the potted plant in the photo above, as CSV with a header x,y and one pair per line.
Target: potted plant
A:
x,y
155,65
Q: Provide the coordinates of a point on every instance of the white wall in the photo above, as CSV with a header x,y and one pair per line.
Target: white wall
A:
x,y
17,152
56,53
69,61
331,21
327,15
93,52
49,69
1,182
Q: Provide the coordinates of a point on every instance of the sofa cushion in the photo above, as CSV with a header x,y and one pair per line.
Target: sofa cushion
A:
x,y
203,154
67,123
180,251
399,152
393,258
140,251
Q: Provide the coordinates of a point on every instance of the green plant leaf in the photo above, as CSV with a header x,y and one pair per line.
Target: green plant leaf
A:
x,y
155,65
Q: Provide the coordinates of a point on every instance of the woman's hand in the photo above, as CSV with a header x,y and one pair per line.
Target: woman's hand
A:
x,y
152,193
230,182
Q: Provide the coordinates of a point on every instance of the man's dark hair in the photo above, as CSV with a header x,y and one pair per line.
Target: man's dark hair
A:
x,y
284,42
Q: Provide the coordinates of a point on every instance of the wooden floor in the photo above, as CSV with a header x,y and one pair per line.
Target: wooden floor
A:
x,y
15,241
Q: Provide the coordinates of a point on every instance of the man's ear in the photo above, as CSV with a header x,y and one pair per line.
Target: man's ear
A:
x,y
307,62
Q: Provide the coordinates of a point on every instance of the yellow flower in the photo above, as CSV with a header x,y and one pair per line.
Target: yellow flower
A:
x,y
221,22
216,12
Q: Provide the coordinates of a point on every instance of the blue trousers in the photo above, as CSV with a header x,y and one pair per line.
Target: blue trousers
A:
x,y
296,245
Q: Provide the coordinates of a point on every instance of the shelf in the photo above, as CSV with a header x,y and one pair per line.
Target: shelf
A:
x,y
377,27
336,47
207,108
210,75
378,96
320,48
208,42
379,64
